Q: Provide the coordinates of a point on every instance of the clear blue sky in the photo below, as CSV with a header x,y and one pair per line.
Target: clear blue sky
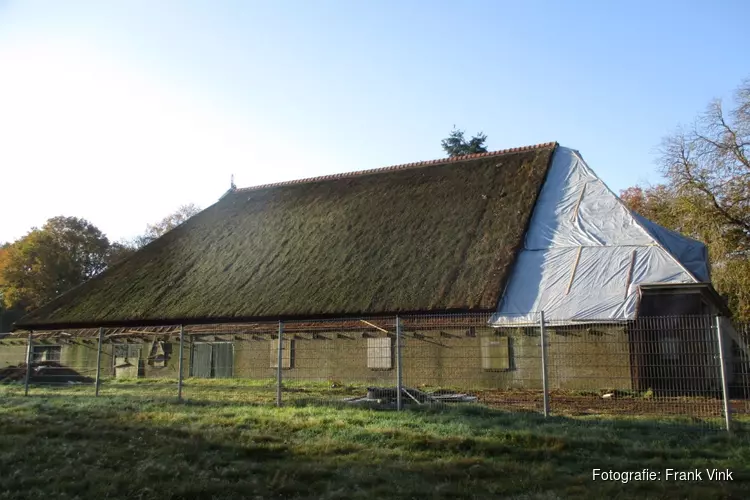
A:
x,y
119,111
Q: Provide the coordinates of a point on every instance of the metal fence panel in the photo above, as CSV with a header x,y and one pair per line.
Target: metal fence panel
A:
x,y
659,368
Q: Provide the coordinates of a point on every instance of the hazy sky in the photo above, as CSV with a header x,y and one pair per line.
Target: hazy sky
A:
x,y
120,111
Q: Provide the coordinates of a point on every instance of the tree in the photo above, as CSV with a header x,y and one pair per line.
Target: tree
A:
x,y
119,250
710,163
456,145
691,216
707,193
708,168
171,221
7,316
49,261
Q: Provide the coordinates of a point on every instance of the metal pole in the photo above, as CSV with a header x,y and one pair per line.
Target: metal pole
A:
x,y
180,363
29,356
399,367
278,363
99,362
724,385
545,381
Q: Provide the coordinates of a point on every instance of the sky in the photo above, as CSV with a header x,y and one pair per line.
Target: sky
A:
x,y
121,111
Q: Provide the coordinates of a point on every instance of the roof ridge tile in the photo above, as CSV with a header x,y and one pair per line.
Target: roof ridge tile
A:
x,y
403,166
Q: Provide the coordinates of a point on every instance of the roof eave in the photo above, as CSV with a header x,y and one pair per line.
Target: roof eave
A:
x,y
232,319
707,289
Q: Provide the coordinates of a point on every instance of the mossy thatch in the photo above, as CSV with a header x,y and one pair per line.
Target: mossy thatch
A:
x,y
437,236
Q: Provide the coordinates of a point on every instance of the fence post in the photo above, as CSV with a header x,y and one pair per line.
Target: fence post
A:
x,y
180,363
29,357
99,362
399,367
724,385
545,382
279,363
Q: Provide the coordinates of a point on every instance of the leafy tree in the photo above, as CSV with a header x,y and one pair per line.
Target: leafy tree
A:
x,y
7,316
456,145
61,255
49,261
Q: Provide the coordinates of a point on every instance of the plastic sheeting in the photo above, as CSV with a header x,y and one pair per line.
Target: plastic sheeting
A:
x,y
585,253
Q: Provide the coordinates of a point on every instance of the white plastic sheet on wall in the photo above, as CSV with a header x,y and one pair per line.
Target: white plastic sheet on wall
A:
x,y
618,251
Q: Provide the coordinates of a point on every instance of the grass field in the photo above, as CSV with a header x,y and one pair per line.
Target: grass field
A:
x,y
222,443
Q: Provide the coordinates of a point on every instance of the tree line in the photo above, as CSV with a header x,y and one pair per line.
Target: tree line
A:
x,y
62,254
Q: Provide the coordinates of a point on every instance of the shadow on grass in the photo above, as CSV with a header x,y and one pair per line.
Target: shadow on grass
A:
x,y
123,447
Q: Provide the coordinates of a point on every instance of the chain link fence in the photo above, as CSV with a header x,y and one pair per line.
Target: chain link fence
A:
x,y
694,369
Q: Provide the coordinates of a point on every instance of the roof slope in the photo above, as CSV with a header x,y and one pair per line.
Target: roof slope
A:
x,y
586,254
430,236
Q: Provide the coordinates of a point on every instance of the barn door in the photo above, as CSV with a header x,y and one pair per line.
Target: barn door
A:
x,y
223,359
201,365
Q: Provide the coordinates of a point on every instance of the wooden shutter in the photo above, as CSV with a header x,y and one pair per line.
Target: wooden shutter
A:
x,y
379,353
201,365
286,353
495,353
223,360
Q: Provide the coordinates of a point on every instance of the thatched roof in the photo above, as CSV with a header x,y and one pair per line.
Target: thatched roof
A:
x,y
431,236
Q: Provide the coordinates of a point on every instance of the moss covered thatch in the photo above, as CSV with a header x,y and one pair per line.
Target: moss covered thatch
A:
x,y
436,236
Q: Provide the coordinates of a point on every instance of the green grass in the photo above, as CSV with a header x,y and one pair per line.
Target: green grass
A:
x,y
225,442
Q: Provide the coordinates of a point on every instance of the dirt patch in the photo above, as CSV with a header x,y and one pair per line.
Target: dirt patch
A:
x,y
572,404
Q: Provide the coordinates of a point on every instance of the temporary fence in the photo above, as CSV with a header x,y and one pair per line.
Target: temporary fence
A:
x,y
693,369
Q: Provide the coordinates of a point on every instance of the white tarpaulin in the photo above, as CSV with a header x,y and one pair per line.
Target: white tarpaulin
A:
x,y
585,253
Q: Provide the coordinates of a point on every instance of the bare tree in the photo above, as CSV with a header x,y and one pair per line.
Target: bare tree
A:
x,y
707,167
171,221
712,159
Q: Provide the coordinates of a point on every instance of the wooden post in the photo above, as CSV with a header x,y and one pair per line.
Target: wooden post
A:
x,y
29,357
99,362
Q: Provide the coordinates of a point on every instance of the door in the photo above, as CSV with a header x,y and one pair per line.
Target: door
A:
x,y
223,360
201,364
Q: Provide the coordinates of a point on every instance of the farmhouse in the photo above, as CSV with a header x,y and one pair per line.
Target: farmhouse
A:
x,y
490,239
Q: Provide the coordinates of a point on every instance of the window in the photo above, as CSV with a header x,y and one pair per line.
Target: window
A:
x,y
159,354
287,347
380,353
127,351
46,353
127,360
495,353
